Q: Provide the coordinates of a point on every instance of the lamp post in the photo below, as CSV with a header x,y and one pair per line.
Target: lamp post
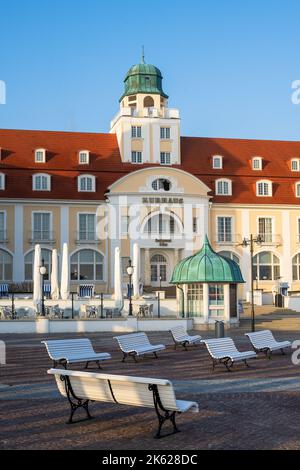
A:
x,y
250,242
43,271
130,272
159,282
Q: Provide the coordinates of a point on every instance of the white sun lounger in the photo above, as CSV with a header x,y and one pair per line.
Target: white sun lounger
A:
x,y
81,387
68,351
137,344
181,337
224,351
264,341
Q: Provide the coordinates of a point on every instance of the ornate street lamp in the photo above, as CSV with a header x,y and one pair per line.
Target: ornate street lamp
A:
x,y
130,273
250,242
43,271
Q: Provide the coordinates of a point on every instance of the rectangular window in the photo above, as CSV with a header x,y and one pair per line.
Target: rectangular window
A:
x,y
86,227
263,189
295,165
125,224
195,224
298,234
2,227
265,229
256,164
224,229
216,299
195,300
41,226
165,133
165,158
136,157
136,132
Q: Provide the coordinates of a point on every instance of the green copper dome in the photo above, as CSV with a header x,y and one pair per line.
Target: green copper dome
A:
x,y
143,78
206,266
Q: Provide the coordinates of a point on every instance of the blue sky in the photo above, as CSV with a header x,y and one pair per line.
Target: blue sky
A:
x,y
227,65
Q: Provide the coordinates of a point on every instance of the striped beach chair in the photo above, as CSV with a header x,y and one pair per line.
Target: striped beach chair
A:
x,y
47,290
3,290
86,290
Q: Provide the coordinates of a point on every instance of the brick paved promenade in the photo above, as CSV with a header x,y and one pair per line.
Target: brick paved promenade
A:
x,y
257,408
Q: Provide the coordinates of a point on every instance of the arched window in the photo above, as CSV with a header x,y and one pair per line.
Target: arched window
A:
x,y
148,102
87,265
161,184
296,267
297,189
264,188
266,266
230,255
162,224
86,183
158,268
223,187
29,260
41,182
6,266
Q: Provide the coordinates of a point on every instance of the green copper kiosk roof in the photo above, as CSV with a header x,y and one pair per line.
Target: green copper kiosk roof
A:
x,y
207,266
143,78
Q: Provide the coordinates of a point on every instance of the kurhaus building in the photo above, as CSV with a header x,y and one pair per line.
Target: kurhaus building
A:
x,y
143,182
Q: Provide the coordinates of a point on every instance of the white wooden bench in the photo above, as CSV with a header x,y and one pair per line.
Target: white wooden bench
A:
x,y
181,337
68,351
264,341
81,387
224,351
137,344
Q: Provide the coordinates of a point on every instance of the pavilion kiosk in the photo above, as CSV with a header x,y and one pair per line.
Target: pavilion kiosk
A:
x,y
207,287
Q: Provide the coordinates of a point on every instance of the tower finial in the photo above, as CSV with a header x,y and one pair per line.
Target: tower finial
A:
x,y
143,55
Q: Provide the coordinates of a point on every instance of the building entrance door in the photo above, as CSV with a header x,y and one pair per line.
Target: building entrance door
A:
x,y
158,270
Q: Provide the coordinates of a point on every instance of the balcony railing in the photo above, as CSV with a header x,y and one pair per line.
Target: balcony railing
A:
x,y
42,236
270,239
225,238
86,238
3,236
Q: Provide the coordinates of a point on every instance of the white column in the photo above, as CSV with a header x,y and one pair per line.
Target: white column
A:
x,y
226,302
147,267
245,260
286,272
205,303
18,262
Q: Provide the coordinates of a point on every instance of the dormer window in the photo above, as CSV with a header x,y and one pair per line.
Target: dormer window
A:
x,y
264,188
86,183
41,182
295,165
256,163
84,157
2,181
223,187
297,189
40,156
217,162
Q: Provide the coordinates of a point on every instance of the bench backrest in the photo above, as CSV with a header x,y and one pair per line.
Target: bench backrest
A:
x,y
3,289
179,332
133,340
68,347
261,339
221,346
116,388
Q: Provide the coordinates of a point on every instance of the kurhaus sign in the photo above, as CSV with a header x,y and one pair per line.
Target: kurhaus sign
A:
x,y
162,200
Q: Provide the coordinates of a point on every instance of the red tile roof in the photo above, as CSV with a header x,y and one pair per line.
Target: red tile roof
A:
x,y
17,162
